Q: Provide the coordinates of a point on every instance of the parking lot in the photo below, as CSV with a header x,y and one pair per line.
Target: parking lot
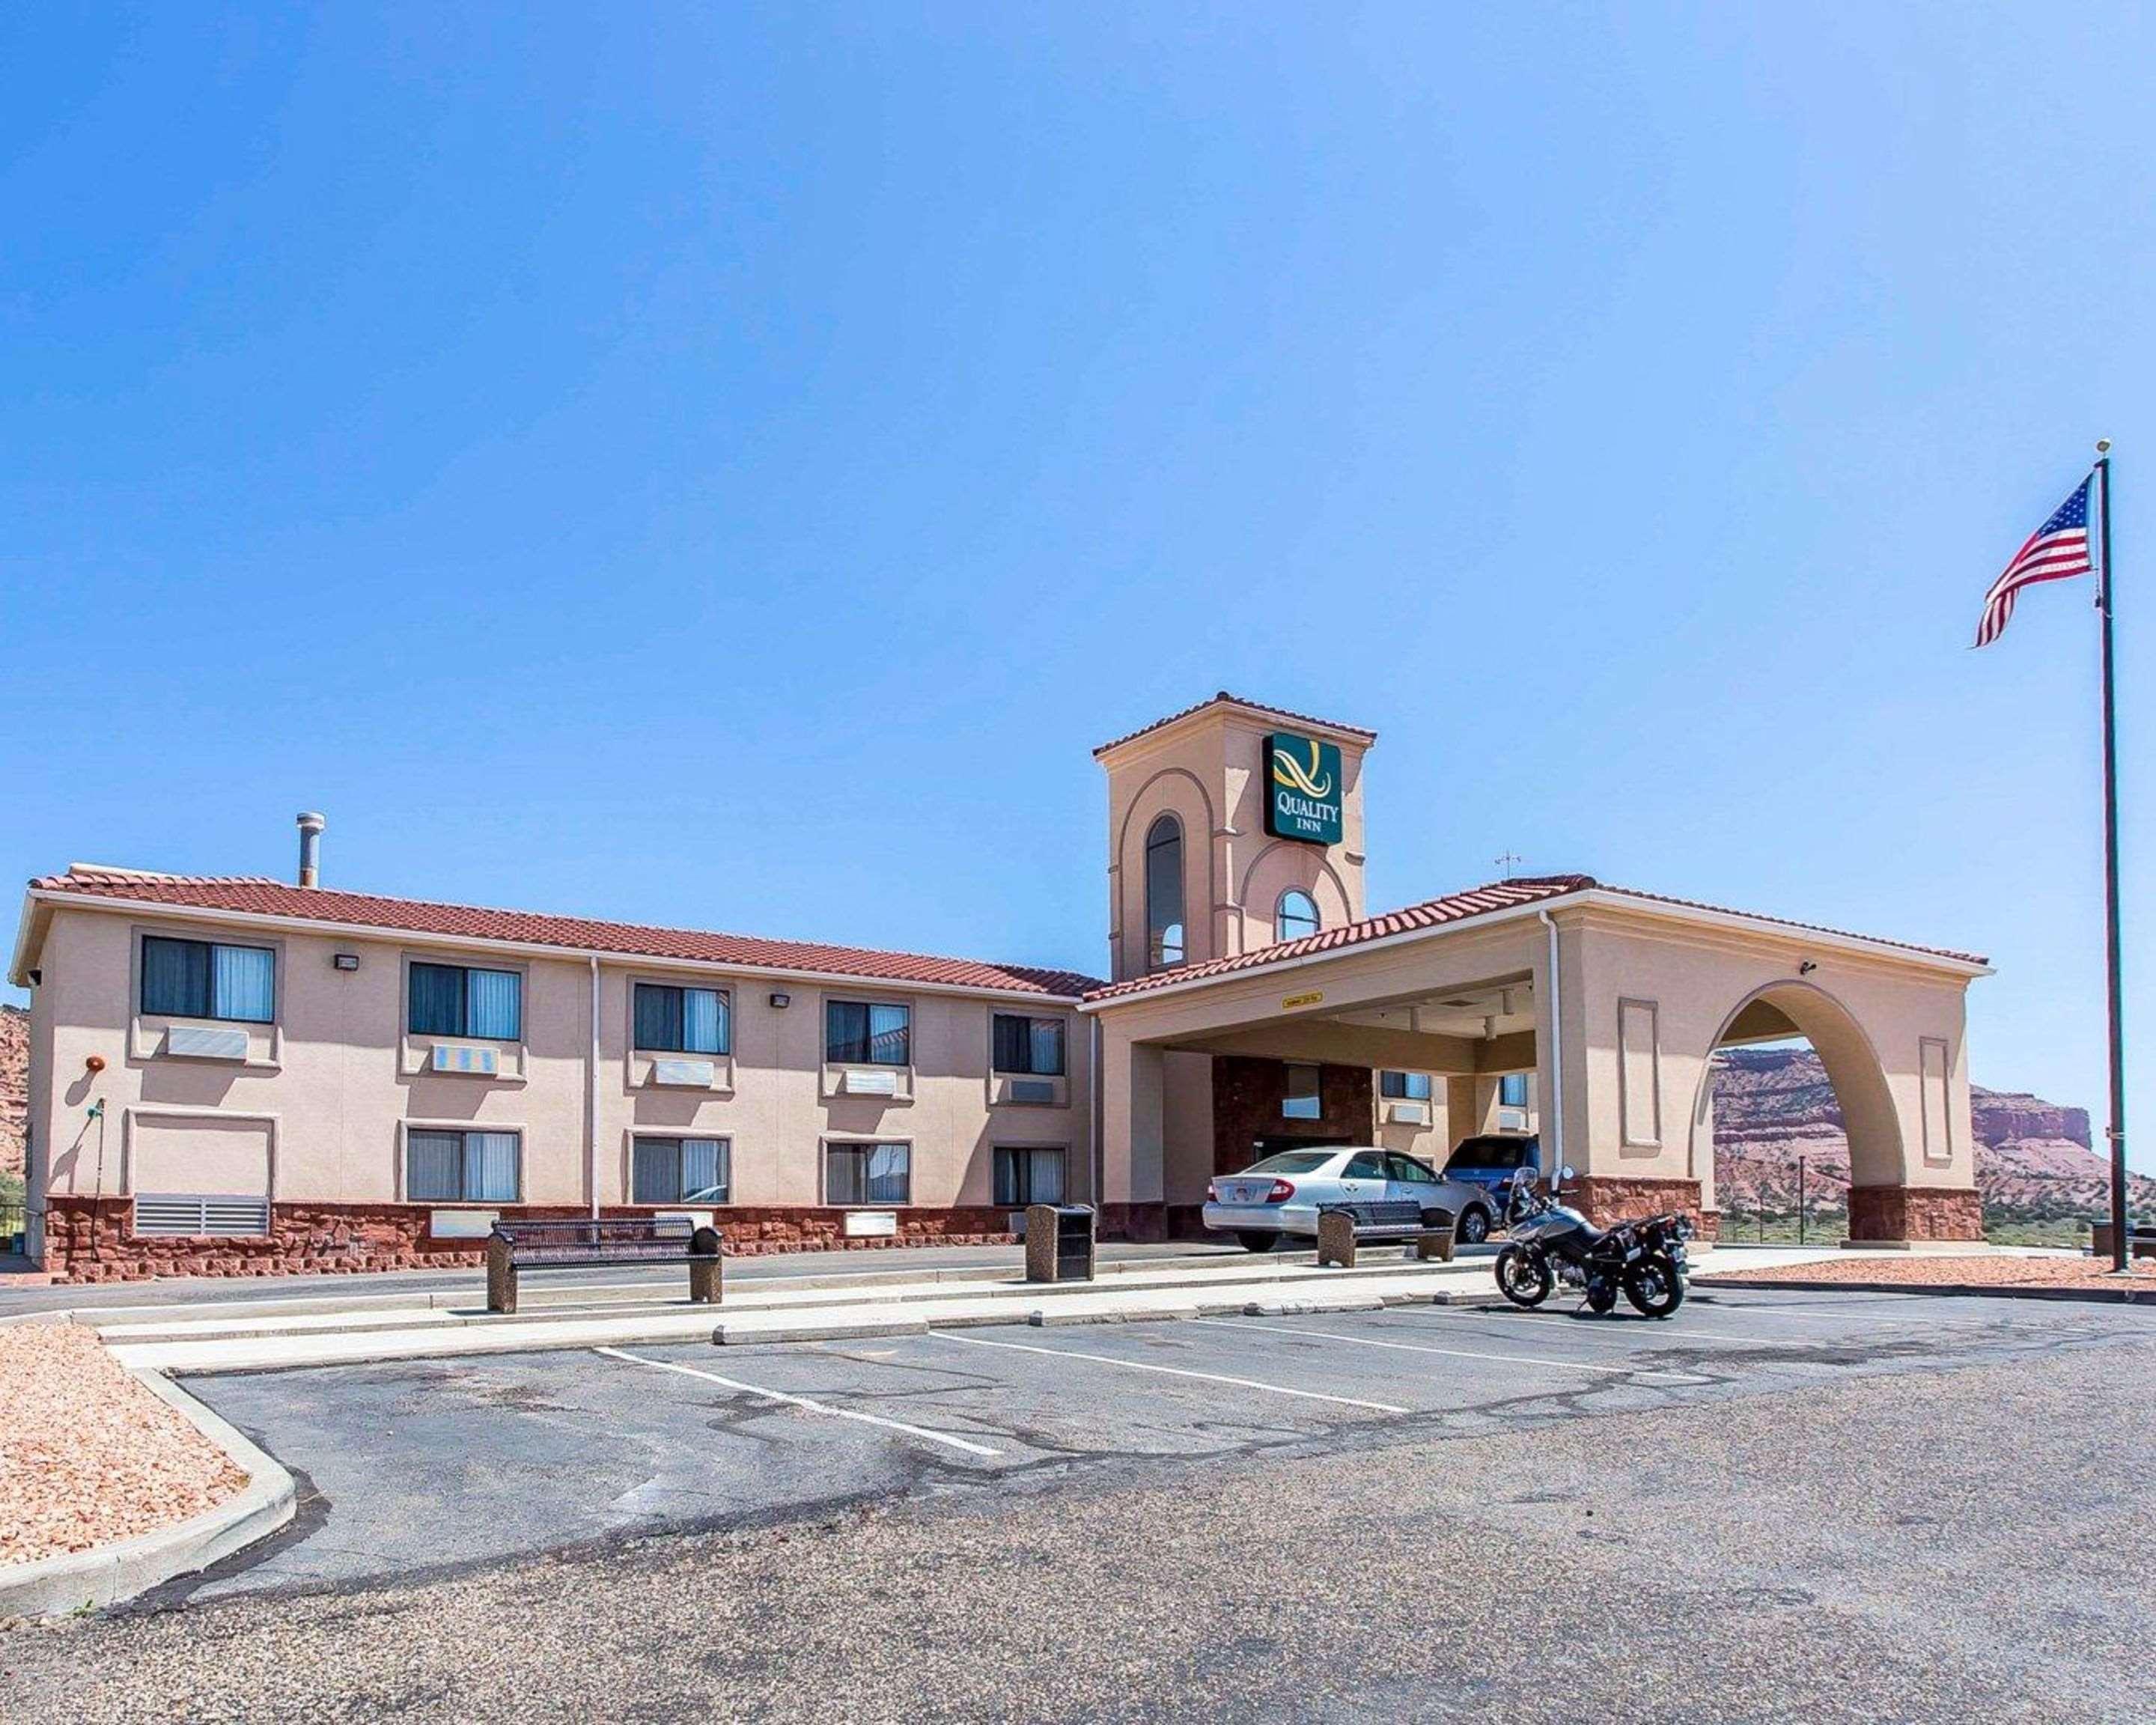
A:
x,y
422,1468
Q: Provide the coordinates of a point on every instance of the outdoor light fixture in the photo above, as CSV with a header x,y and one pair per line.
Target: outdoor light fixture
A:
x,y
1808,967
93,1064
782,1001
346,961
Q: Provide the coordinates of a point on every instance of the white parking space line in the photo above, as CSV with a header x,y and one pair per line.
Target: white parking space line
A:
x,y
1625,1329
1514,1359
926,1435
1133,1365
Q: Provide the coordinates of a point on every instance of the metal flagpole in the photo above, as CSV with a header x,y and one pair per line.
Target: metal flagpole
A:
x,y
2118,1240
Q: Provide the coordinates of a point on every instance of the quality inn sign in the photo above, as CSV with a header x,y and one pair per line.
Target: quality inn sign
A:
x,y
1303,790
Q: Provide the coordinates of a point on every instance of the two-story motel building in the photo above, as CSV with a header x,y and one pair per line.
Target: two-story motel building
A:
x,y
240,1076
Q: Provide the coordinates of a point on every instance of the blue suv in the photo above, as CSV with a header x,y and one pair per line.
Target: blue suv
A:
x,y
1489,1160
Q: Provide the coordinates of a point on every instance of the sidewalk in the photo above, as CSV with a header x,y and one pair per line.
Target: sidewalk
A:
x,y
1124,1293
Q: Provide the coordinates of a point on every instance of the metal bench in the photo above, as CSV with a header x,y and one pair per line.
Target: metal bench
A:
x,y
583,1243
1343,1227
2140,1242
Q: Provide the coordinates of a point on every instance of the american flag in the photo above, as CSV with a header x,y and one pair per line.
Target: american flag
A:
x,y
2057,549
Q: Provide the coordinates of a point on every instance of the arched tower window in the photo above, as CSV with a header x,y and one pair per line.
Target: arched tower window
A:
x,y
1164,892
1296,914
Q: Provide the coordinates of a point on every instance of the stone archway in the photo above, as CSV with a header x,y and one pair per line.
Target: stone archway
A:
x,y
1878,1163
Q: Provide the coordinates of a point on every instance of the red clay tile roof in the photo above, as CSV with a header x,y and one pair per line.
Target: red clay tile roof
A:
x,y
1458,907
259,896
1281,712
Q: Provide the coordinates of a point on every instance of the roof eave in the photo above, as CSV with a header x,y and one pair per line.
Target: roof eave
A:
x,y
29,939
535,949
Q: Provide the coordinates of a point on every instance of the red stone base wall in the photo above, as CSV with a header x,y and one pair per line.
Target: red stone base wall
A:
x,y
90,1239
1606,1200
1899,1213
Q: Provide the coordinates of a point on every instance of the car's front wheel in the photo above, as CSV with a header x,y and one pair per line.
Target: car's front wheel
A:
x,y
1474,1227
1250,1241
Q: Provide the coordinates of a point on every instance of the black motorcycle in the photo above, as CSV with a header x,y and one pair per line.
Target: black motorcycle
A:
x,y
1552,1242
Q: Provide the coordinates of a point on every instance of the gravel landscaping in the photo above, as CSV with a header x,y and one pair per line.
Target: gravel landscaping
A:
x,y
1922,1270
87,1455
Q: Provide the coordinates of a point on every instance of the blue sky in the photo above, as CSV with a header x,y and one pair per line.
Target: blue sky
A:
x,y
729,465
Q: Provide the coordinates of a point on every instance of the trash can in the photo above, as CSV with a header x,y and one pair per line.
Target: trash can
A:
x,y
1059,1242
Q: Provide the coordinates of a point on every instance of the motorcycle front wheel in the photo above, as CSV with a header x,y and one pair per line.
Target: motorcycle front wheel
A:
x,y
1524,1277
1654,1287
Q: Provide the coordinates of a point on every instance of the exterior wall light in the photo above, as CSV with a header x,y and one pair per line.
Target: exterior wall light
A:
x,y
346,961
782,1001
1808,967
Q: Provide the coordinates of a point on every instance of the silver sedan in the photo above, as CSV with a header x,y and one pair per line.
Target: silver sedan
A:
x,y
1278,1199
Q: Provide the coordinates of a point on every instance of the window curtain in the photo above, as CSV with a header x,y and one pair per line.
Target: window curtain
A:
x,y
490,1166
845,1030
243,984
890,1041
433,1169
493,1002
1047,1039
842,1175
175,977
888,1173
1013,1038
658,1016
704,1171
437,1001
1046,1177
703,1021
658,1170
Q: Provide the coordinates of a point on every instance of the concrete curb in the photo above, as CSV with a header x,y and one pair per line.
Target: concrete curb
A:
x,y
1966,1291
107,1574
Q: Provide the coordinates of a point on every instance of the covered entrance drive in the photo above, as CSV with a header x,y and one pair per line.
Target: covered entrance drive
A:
x,y
1610,1001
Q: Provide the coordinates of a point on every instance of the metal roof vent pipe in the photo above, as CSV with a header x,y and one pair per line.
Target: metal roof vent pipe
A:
x,y
310,848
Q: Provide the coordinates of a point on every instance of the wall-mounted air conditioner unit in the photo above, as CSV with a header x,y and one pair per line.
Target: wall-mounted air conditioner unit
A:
x,y
1407,1113
882,1082
206,1042
870,1225
1032,1090
462,1057
689,1075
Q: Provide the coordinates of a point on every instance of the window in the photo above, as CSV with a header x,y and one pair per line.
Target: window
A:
x,y
868,1174
681,1171
1296,914
200,979
1302,1101
1023,1044
860,1033
681,1020
1164,892
1025,1176
1512,1091
463,1168
451,1000
1409,1172
1369,1165
1404,1086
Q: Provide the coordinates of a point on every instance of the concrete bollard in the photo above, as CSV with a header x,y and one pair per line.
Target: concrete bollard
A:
x,y
501,1275
706,1279
1336,1239
1040,1242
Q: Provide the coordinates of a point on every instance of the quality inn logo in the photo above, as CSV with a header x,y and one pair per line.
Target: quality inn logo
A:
x,y
1303,794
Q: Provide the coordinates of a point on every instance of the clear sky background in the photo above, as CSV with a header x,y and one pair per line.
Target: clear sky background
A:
x,y
728,465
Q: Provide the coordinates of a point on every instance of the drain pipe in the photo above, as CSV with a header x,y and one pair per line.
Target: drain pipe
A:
x,y
592,1097
1555,1136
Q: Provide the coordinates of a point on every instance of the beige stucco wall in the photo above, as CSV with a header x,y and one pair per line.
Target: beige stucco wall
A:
x,y
1867,1014
335,1081
1207,771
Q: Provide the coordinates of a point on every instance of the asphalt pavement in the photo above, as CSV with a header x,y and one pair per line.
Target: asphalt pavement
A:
x,y
1846,1506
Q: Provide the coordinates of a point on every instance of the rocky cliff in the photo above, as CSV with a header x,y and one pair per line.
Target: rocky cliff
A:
x,y
1771,1105
14,1086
